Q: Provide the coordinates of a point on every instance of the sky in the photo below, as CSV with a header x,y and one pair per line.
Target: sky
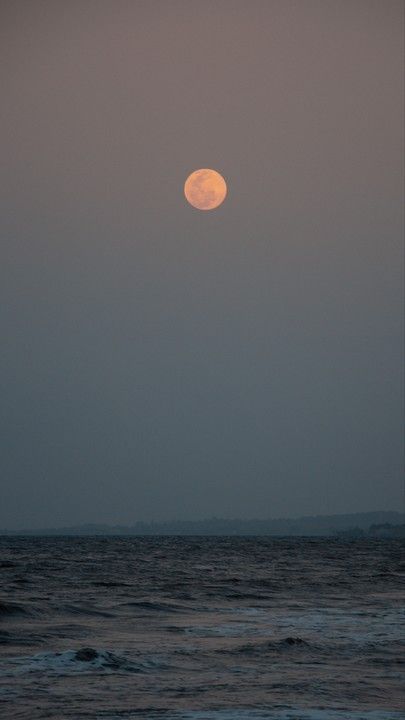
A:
x,y
160,362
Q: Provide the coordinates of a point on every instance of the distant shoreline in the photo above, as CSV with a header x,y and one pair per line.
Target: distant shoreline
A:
x,y
367,524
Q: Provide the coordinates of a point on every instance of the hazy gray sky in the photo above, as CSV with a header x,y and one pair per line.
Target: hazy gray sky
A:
x,y
162,362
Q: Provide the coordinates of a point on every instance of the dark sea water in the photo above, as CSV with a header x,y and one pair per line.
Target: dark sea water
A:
x,y
201,628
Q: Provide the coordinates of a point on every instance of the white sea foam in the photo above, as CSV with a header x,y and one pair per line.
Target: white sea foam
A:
x,y
73,661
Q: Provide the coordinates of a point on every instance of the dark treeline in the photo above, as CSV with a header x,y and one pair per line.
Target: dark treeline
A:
x,y
384,523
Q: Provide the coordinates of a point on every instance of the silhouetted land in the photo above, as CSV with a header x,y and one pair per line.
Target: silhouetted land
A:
x,y
367,524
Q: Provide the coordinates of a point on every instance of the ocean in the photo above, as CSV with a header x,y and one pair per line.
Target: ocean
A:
x,y
201,628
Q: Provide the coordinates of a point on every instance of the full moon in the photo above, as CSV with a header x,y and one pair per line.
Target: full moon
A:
x,y
205,189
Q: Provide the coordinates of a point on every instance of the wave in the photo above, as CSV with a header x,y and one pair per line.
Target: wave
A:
x,y
110,583
271,646
290,713
224,630
79,609
230,594
86,659
9,609
5,638
19,637
152,606
289,641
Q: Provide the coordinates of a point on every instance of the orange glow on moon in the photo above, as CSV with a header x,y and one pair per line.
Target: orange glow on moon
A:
x,y
205,189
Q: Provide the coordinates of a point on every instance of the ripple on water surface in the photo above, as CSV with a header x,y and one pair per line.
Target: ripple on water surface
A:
x,y
201,629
